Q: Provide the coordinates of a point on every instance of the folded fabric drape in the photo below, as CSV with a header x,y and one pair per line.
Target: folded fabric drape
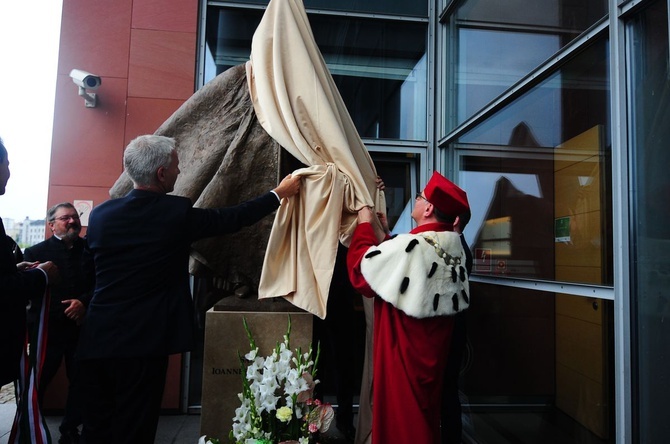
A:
x,y
298,104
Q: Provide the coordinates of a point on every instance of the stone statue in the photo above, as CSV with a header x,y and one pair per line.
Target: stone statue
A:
x,y
225,157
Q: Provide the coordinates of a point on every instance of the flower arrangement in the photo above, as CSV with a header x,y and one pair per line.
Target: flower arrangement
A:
x,y
276,400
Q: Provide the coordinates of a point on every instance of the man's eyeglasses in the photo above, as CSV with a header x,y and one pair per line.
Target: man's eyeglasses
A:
x,y
67,218
420,196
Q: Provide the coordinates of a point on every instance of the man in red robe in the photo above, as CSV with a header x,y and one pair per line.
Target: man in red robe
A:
x,y
418,282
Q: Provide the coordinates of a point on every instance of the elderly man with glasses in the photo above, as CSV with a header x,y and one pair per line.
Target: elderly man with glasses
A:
x,y
419,282
69,299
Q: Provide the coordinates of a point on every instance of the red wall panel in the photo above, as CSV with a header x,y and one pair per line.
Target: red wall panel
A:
x,y
162,64
95,36
153,14
146,115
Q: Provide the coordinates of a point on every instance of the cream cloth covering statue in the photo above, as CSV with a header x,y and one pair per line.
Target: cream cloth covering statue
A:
x,y
297,103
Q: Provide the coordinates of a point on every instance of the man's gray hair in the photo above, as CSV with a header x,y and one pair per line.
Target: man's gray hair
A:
x,y
51,212
144,155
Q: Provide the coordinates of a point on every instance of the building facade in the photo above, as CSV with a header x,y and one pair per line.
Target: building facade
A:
x,y
32,232
549,113
26,232
12,228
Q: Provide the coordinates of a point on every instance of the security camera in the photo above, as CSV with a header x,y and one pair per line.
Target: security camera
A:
x,y
85,79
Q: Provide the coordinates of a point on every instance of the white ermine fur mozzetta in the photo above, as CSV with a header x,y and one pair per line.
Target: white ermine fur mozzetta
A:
x,y
399,271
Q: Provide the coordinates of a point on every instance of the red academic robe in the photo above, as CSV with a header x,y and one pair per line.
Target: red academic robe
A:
x,y
409,356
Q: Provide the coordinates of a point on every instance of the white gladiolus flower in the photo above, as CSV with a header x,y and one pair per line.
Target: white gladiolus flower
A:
x,y
251,355
253,370
240,430
268,387
270,403
285,354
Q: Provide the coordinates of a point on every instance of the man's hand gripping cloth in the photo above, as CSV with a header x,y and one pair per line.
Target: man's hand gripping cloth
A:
x,y
422,274
297,102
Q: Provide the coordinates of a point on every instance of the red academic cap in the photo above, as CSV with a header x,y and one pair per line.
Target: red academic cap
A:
x,y
446,195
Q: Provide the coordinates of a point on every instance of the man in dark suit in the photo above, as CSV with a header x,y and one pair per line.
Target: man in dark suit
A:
x,y
67,306
18,283
451,422
142,310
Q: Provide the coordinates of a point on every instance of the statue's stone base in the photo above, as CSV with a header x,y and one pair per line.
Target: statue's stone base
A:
x,y
224,338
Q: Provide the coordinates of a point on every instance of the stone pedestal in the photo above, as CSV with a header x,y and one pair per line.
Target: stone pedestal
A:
x,y
222,375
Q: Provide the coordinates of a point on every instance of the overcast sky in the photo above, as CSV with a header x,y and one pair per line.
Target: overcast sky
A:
x,y
29,36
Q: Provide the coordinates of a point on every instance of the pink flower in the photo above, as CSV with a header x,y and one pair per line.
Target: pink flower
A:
x,y
320,418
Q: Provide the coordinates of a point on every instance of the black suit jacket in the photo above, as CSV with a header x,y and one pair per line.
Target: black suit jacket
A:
x,y
15,289
142,305
72,284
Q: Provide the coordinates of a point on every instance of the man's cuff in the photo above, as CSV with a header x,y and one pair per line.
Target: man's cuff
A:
x,y
277,195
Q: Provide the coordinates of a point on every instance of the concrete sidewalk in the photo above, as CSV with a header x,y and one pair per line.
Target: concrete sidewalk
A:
x,y
172,429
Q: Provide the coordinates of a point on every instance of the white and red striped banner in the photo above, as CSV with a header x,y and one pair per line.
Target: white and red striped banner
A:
x,y
29,425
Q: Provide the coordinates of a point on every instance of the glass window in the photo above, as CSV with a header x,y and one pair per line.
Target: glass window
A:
x,y
538,176
397,7
537,367
379,66
649,98
497,43
400,175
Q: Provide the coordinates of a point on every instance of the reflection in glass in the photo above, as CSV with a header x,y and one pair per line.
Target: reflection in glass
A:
x,y
398,7
647,34
544,356
537,174
379,66
486,68
497,43
399,174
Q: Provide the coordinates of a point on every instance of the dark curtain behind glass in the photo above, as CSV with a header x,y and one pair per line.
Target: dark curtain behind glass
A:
x,y
647,34
379,66
414,8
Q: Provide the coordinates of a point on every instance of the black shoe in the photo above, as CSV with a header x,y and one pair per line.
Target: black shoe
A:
x,y
348,430
69,437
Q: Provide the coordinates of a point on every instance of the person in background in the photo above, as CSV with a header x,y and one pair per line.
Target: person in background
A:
x,y
339,339
19,282
418,282
142,310
67,307
451,424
